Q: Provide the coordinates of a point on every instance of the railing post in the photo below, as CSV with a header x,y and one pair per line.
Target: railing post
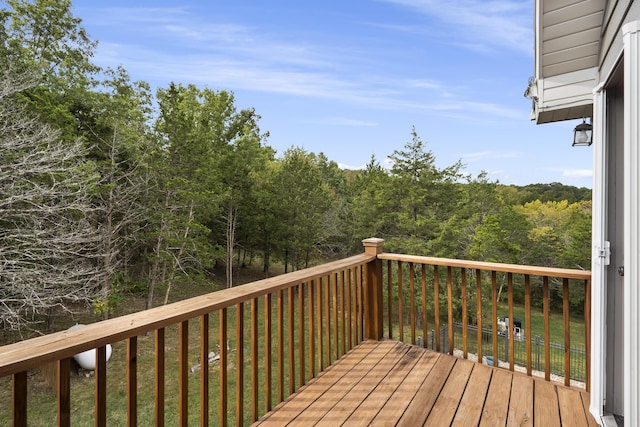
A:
x,y
373,290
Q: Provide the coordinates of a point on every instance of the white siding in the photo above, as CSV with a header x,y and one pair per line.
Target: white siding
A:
x,y
570,36
566,96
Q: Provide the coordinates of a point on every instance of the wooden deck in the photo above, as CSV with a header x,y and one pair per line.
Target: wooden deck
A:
x,y
390,383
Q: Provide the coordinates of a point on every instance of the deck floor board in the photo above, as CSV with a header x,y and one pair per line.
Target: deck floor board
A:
x,y
391,412
496,405
448,401
470,409
366,412
521,402
391,383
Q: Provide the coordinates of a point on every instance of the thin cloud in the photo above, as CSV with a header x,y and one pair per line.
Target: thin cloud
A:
x,y
243,57
140,15
179,27
252,74
480,24
427,84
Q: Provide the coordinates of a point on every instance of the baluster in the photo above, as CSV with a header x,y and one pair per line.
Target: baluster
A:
x,y
20,399
349,311
494,315
359,304
425,328
204,370
342,312
312,329
412,302
389,299
587,331
510,333
334,299
567,332
132,381
400,304
280,327
101,386
239,364
291,340
301,333
64,392
463,285
327,330
479,313
319,326
356,306
223,367
436,304
527,319
183,378
159,376
450,307
267,352
545,311
255,339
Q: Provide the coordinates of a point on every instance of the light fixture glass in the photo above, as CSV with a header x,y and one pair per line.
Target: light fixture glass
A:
x,y
583,134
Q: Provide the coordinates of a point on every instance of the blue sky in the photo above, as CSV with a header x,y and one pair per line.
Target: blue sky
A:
x,y
350,78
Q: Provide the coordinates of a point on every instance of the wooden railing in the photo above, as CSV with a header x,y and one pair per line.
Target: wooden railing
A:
x,y
419,290
283,330
287,330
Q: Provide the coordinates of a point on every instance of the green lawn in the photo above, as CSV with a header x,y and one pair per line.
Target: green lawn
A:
x,y
556,338
42,403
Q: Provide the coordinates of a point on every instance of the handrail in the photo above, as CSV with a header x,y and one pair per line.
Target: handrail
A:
x,y
563,273
19,357
332,308
447,289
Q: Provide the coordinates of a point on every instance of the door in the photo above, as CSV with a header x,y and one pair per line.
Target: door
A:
x,y
614,368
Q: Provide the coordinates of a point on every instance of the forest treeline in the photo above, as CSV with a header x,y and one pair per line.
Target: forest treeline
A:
x,y
108,188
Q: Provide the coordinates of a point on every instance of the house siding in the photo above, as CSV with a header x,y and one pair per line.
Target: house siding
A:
x,y
570,35
617,13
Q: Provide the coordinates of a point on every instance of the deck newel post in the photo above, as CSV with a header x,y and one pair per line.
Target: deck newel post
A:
x,y
373,290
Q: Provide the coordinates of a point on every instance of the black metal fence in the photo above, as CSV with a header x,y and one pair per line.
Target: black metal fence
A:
x,y
578,354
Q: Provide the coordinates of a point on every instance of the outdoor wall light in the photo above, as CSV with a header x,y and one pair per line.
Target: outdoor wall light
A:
x,y
582,134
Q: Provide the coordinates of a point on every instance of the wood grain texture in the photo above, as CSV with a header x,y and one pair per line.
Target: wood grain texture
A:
x,y
386,383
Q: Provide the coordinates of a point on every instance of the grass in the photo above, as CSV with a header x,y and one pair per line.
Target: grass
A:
x,y
556,325
556,334
42,406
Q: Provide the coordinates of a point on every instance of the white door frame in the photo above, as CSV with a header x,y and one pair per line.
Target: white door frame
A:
x,y
600,257
631,43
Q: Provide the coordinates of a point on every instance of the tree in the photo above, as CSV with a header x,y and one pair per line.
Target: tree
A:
x,y
576,252
188,186
43,38
267,223
49,247
333,240
368,209
422,195
240,162
501,237
302,197
479,200
114,123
